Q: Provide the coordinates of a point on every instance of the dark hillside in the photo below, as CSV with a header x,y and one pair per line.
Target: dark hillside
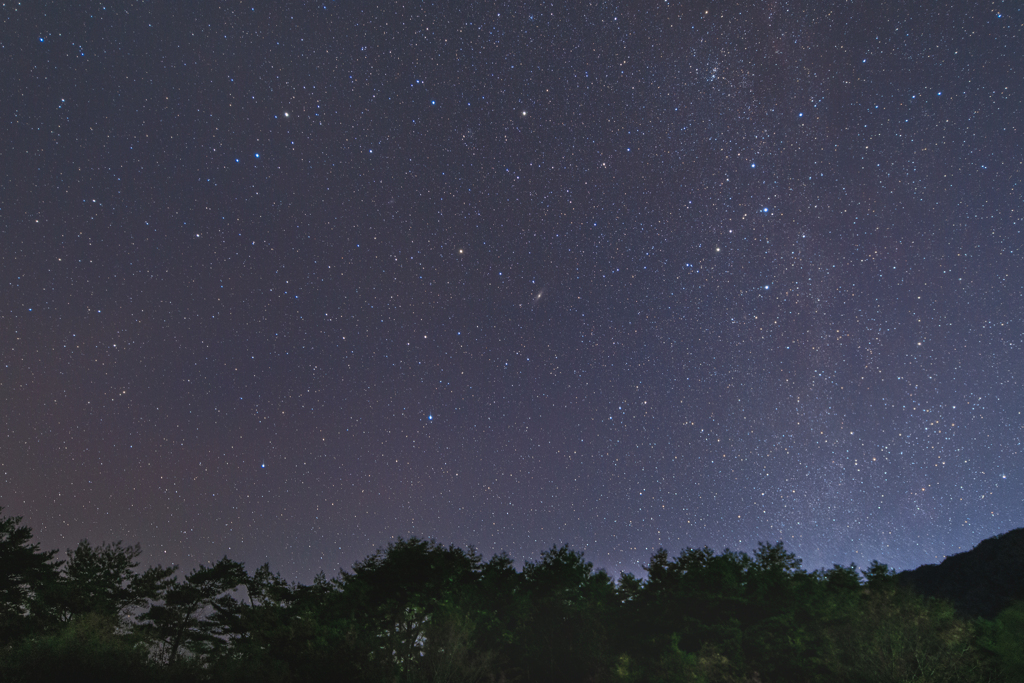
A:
x,y
980,582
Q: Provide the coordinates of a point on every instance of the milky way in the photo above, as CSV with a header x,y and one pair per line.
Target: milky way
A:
x,y
287,281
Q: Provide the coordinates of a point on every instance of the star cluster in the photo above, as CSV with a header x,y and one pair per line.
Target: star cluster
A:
x,y
287,281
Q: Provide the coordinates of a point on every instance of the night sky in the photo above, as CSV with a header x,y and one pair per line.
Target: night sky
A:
x,y
286,281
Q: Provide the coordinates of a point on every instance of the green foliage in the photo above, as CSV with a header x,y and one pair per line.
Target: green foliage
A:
x,y
1002,640
451,653
879,576
893,635
420,612
396,594
753,611
86,649
565,637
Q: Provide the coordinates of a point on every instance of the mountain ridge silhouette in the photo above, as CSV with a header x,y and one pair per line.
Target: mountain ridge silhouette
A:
x,y
980,582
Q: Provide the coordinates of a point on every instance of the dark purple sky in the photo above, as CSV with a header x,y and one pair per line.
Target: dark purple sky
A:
x,y
286,281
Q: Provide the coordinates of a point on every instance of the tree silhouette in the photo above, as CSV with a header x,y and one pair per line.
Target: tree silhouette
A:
x,y
197,615
420,612
26,574
102,579
394,594
566,637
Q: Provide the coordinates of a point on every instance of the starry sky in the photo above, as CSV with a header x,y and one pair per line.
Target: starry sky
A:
x,y
286,281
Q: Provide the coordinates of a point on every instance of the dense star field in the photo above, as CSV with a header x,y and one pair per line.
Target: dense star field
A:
x,y
288,281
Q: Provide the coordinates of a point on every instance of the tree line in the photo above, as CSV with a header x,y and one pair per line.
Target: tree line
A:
x,y
417,611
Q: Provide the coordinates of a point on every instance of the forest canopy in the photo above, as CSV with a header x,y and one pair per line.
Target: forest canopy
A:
x,y
421,611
